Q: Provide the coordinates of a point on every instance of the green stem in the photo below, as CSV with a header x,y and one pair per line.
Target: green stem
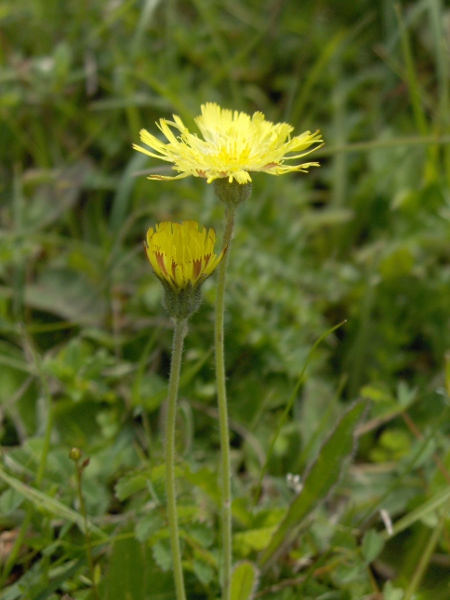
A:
x,y
222,402
424,560
79,474
179,333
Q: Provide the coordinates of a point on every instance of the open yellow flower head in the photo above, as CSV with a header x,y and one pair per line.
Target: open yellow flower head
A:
x,y
233,145
182,254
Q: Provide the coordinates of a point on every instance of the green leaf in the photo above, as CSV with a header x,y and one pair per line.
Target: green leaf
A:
x,y
204,571
69,295
130,484
289,406
205,479
42,500
372,545
133,574
252,540
391,593
243,581
126,571
147,525
10,500
201,533
320,479
163,555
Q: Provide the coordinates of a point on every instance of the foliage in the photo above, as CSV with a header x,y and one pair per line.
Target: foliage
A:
x,y
85,343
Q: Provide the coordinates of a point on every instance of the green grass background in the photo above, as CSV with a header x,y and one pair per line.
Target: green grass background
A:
x,y
85,343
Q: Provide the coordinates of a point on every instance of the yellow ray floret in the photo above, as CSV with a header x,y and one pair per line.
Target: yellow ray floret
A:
x,y
233,145
182,254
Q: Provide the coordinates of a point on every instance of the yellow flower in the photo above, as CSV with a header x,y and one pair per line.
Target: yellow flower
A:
x,y
233,145
182,255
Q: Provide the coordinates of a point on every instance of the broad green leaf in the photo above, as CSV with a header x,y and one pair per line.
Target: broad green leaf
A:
x,y
125,578
319,480
243,581
132,573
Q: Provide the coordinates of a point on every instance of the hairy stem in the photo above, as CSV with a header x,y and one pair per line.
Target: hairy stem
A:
x,y
222,404
174,380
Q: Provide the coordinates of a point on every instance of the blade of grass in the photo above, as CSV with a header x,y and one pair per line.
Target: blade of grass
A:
x,y
211,21
425,558
121,202
437,21
313,76
419,513
411,76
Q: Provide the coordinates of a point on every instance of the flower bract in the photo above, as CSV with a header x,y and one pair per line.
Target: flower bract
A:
x,y
182,254
232,145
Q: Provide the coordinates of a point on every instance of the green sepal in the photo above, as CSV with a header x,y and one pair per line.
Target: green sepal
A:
x,y
232,194
181,303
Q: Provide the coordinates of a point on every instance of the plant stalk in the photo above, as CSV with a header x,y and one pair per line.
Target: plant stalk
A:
x,y
424,561
179,334
79,475
222,405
